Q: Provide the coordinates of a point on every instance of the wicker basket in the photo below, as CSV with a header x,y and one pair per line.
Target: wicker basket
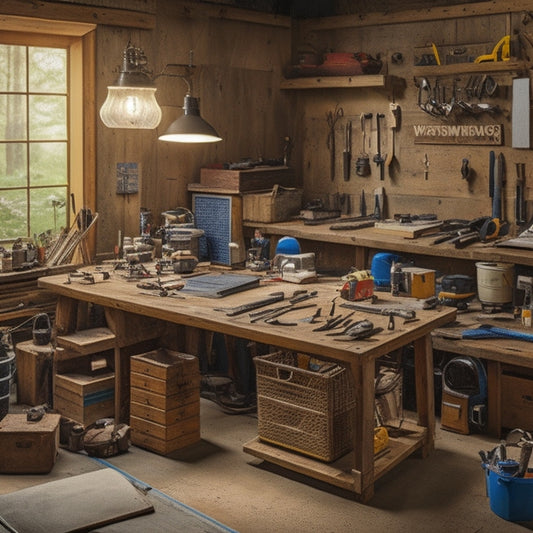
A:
x,y
306,411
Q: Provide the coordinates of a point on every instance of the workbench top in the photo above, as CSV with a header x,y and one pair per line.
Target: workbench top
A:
x,y
199,312
379,240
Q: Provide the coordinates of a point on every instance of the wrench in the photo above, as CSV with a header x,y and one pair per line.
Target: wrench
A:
x,y
378,158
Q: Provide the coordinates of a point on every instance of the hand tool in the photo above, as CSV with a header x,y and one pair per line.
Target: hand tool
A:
x,y
377,310
378,157
280,312
302,296
498,184
492,160
240,309
501,52
520,208
347,154
426,166
394,124
311,319
332,118
354,330
362,204
465,169
362,165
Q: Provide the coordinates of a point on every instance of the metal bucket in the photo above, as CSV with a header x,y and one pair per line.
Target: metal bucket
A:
x,y
495,283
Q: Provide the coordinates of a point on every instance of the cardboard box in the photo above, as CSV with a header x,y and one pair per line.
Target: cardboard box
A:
x,y
85,398
278,205
254,179
28,447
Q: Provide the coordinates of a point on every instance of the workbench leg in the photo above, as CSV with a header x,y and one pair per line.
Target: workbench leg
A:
x,y
494,400
66,318
425,396
363,438
361,257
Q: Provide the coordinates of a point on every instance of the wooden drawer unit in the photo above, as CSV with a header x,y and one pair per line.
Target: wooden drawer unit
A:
x,y
517,401
85,398
165,400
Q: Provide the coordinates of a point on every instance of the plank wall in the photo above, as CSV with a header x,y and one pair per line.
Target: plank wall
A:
x,y
444,192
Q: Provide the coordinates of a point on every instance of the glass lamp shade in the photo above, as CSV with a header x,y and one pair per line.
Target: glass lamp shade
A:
x,y
130,107
190,127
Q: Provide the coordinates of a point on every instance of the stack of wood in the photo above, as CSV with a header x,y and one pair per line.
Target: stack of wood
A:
x,y
63,248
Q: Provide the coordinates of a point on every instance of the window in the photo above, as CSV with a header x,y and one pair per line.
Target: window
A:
x,y
47,126
34,140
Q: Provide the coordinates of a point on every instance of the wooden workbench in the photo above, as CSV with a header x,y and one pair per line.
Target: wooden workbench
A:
x,y
357,246
356,471
501,356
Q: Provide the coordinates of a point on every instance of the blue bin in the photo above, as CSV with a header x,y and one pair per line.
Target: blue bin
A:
x,y
511,498
380,268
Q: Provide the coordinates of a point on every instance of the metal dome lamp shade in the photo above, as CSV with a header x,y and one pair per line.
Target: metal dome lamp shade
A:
x,y
131,102
190,127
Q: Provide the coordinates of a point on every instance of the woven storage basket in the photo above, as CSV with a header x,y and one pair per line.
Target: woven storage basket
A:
x,y
309,412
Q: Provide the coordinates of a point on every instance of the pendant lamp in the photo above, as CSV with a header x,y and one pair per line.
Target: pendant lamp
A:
x,y
131,102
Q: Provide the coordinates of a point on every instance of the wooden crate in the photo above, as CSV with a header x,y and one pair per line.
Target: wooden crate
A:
x,y
165,400
34,372
85,398
28,447
254,179
517,401
278,205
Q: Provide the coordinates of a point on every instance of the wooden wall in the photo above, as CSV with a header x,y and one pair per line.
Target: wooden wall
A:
x,y
237,81
444,192
241,55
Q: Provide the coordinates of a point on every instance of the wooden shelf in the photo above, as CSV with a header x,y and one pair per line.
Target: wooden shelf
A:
x,y
340,473
336,82
472,68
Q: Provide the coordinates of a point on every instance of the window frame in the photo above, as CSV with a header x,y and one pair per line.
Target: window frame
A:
x,y
79,40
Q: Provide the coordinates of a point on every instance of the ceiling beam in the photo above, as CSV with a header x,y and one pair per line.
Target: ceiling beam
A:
x,y
78,13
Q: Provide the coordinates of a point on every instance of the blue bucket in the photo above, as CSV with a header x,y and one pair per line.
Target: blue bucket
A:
x,y
511,498
381,266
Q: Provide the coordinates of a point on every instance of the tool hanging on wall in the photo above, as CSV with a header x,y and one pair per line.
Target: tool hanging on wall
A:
x,y
362,165
378,158
426,166
347,154
394,125
520,207
332,118
498,187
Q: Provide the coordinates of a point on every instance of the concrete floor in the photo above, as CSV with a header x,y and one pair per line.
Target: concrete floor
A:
x,y
442,493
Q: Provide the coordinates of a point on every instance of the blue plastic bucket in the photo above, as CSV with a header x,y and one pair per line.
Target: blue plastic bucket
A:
x,y
511,498
380,268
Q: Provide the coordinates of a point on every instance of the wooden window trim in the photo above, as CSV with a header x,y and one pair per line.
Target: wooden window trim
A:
x,y
80,39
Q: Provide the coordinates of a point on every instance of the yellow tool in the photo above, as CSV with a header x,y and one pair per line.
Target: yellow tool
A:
x,y
435,53
503,49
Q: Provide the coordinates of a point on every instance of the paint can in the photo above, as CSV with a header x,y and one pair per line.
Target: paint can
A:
x,y
495,283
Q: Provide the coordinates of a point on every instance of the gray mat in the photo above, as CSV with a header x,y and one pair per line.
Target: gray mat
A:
x,y
77,503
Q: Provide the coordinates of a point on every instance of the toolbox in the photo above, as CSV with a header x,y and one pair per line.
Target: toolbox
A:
x,y
85,397
307,411
278,205
164,400
252,179
28,447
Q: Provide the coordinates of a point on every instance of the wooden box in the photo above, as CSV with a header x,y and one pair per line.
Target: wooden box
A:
x,y
276,206
517,402
28,447
254,179
34,372
85,398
